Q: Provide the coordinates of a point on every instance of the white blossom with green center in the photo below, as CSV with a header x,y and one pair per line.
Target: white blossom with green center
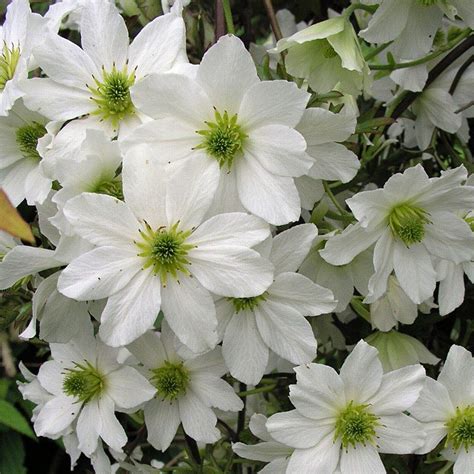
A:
x,y
9,57
27,138
83,382
461,429
408,222
247,304
345,420
171,380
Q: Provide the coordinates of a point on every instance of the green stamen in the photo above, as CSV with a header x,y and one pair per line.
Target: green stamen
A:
x,y
166,251
84,382
408,223
27,139
428,3
111,188
461,429
8,63
247,304
356,425
112,95
171,380
223,139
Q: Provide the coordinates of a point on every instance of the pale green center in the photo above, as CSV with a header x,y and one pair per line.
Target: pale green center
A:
x,y
111,187
428,3
470,222
222,139
171,380
8,63
461,429
112,95
247,304
84,382
166,251
356,425
27,139
408,223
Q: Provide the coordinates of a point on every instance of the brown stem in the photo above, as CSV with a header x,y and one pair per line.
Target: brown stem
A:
x,y
220,21
273,19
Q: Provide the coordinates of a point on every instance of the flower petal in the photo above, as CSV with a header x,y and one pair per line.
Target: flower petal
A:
x,y
162,421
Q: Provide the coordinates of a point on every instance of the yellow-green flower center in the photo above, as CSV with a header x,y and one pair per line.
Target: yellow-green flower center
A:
x,y
247,304
84,382
166,251
27,139
111,187
408,223
461,429
8,63
112,95
356,425
222,139
171,380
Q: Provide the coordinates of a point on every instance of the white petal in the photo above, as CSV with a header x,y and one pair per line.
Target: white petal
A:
x,y
102,220
56,415
399,390
128,388
226,72
324,457
362,373
265,452
111,431
162,421
88,427
399,434
244,351
300,293
434,403
159,45
361,460
190,312
199,421
190,190
272,102
273,198
464,463
210,363
286,331
215,392
131,312
295,430
99,273
50,376
104,35
149,350
414,270
279,149
290,248
451,289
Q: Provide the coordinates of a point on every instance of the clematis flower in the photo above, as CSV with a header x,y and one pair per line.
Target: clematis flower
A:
x,y
87,385
156,251
19,33
187,390
412,24
410,220
328,56
250,327
234,123
446,410
274,453
96,79
345,420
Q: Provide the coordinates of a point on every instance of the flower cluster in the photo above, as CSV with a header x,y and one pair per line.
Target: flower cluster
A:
x,y
207,225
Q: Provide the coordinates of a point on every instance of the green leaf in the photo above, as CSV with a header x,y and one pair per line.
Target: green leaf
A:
x,y
12,454
12,418
4,385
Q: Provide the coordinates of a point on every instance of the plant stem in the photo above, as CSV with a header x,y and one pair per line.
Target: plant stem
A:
x,y
273,19
192,449
267,388
333,199
377,50
228,17
219,29
359,6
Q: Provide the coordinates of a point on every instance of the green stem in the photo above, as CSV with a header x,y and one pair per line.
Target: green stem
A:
x,y
359,6
425,59
267,388
228,17
333,199
377,50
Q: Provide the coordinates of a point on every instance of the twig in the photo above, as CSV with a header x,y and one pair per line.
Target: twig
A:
x,y
220,22
273,19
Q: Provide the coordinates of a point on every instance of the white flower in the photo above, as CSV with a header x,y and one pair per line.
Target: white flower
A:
x,y
446,409
274,320
187,390
167,4
154,251
231,121
87,385
345,420
96,79
328,55
271,451
411,219
397,350
412,24
21,167
19,33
